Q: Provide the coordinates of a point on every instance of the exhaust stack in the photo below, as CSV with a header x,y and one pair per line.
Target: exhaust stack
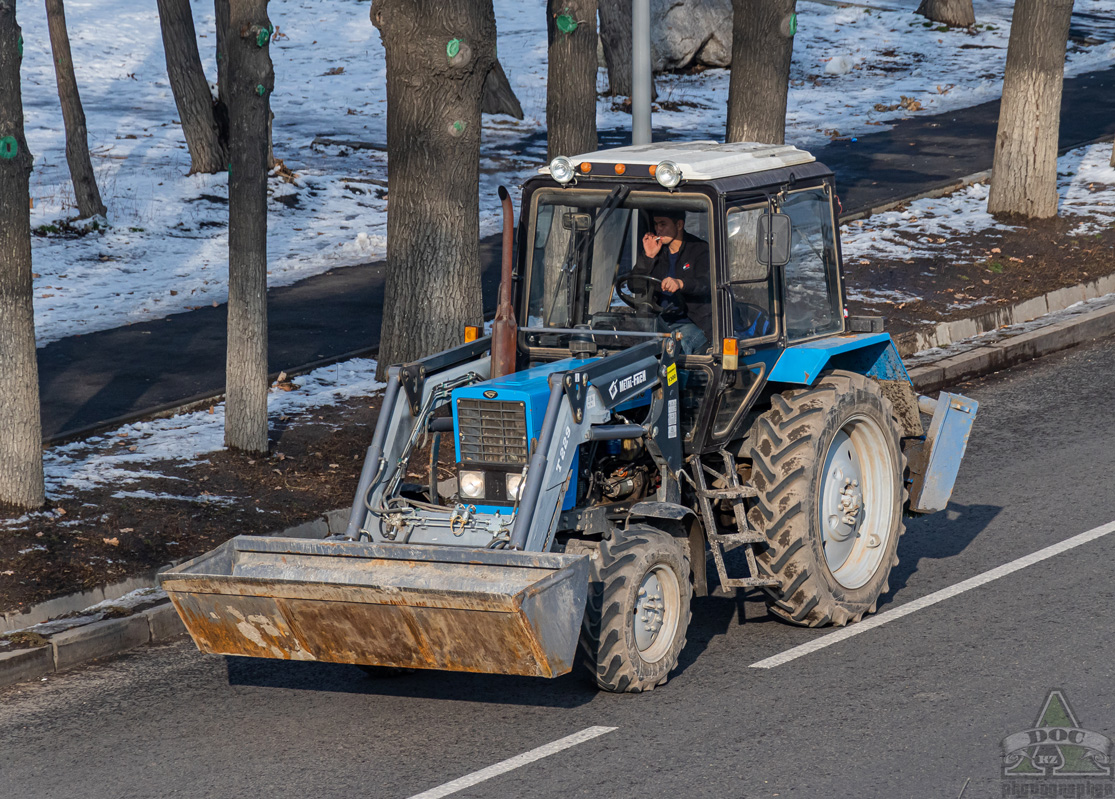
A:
x,y
504,329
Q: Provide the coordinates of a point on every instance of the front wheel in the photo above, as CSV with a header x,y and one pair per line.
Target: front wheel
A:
x,y
828,465
638,609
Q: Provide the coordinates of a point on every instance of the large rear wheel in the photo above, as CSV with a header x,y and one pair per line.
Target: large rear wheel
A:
x,y
638,609
828,465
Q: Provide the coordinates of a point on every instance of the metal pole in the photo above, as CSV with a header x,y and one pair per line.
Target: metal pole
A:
x,y
640,72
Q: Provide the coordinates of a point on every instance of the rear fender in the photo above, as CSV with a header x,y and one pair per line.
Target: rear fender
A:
x,y
871,354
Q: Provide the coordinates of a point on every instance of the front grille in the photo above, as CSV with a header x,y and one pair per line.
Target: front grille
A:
x,y
492,431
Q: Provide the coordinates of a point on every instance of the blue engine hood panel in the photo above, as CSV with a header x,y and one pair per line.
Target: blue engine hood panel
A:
x,y
532,388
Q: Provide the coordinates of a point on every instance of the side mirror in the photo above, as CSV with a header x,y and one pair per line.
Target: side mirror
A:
x,y
773,237
575,221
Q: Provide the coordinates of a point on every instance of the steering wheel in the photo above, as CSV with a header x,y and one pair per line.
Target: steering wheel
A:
x,y
630,300
755,315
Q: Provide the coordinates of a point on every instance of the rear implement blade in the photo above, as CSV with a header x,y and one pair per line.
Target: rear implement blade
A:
x,y
491,611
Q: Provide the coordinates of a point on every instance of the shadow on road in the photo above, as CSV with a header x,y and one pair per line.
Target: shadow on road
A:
x,y
939,536
935,537
567,692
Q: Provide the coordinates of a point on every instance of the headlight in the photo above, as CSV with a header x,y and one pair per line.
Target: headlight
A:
x,y
471,485
667,174
515,485
561,169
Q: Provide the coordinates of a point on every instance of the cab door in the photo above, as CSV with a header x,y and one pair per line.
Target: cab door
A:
x,y
749,313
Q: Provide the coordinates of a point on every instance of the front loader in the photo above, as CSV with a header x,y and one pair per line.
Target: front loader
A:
x,y
599,465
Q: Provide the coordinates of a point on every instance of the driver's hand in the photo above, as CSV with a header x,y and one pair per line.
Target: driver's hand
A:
x,y
651,245
672,284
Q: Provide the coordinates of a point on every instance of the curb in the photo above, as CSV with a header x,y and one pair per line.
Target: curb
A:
x,y
77,646
80,645
329,523
71,603
945,333
995,356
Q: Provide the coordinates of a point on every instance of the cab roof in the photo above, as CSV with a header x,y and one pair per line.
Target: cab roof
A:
x,y
700,160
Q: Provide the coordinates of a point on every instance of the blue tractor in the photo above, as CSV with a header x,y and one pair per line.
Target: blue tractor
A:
x,y
671,375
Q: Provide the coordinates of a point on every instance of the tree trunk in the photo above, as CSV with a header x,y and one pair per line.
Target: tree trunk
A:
x,y
954,13
499,97
251,81
438,56
1024,173
571,83
191,91
762,49
615,39
220,108
77,137
21,445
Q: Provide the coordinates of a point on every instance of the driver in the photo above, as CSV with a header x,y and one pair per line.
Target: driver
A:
x,y
680,261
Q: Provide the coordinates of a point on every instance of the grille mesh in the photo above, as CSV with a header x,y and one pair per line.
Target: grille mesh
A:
x,y
492,431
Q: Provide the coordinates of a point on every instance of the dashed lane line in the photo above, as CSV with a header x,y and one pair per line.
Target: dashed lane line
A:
x,y
926,601
512,763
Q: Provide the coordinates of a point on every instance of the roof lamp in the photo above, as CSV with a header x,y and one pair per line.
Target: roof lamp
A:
x,y
667,174
561,169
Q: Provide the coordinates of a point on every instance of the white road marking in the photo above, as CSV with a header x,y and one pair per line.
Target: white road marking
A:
x,y
937,596
512,763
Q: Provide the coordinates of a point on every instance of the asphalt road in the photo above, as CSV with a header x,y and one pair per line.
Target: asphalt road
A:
x,y
913,708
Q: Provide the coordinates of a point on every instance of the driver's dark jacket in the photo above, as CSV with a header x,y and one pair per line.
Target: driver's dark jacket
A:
x,y
692,270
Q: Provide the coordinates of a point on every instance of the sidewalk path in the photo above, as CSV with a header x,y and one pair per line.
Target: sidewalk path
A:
x,y
88,380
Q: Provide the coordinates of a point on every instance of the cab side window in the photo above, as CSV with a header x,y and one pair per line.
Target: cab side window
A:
x,y
751,287
812,283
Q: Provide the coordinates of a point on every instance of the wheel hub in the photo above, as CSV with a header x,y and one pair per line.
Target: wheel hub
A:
x,y
650,612
855,513
842,502
851,501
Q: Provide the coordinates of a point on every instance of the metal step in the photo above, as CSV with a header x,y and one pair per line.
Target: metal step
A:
x,y
733,540
749,582
732,492
720,543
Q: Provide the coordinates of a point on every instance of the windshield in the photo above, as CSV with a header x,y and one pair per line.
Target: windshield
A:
x,y
589,264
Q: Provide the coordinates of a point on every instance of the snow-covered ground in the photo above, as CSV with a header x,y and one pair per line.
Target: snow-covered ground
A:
x,y
166,250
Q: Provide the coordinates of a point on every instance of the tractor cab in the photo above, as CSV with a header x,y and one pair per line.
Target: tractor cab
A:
x,y
759,265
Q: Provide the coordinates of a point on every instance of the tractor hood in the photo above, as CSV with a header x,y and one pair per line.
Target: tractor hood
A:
x,y
496,423
530,388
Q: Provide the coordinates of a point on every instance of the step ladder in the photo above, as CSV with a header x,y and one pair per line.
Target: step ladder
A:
x,y
720,543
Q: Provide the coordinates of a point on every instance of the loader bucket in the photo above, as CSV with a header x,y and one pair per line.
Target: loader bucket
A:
x,y
426,607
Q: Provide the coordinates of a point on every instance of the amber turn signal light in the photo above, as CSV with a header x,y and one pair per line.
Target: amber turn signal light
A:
x,y
620,169
472,332
586,167
731,354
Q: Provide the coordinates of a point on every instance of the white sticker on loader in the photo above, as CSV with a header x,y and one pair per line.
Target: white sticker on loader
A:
x,y
562,449
672,419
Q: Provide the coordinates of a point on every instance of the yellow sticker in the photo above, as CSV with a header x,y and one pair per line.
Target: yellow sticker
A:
x,y
671,374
